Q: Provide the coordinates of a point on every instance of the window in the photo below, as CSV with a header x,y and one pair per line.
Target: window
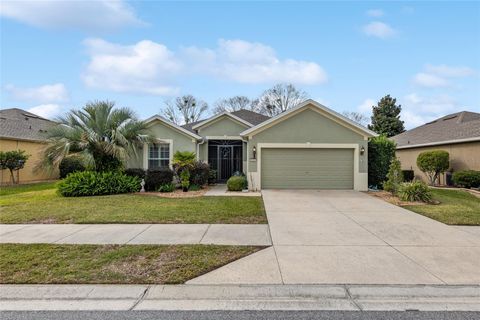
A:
x,y
158,155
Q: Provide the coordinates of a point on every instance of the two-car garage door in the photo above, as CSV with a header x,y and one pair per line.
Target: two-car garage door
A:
x,y
309,168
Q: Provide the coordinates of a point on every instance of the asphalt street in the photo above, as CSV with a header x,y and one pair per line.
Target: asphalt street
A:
x,y
236,315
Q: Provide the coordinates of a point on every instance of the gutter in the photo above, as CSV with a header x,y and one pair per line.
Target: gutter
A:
x,y
438,143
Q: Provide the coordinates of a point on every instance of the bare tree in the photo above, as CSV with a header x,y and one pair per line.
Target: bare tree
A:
x,y
233,104
357,117
185,109
280,98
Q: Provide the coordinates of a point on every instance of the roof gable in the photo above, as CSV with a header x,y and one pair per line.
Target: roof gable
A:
x,y
310,104
172,125
218,117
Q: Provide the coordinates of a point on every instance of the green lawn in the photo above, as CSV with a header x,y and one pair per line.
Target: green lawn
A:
x,y
456,207
49,263
20,188
46,206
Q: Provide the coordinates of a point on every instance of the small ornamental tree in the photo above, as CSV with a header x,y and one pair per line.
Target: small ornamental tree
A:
x,y
394,176
381,151
13,161
433,163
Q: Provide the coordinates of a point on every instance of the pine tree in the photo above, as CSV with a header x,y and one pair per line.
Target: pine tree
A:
x,y
386,117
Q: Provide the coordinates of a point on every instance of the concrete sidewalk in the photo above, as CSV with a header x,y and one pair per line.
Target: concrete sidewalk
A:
x,y
239,297
220,234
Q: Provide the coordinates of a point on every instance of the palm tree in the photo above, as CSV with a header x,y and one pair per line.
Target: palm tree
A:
x,y
101,135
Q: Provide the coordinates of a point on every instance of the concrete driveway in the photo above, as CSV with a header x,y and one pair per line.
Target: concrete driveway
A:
x,y
348,237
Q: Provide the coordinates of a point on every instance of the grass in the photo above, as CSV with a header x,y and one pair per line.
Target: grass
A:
x,y
456,207
20,188
142,264
46,206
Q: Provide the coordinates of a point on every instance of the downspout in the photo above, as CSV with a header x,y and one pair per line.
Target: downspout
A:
x,y
198,148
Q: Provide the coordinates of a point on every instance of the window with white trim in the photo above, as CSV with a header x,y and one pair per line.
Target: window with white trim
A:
x,y
158,155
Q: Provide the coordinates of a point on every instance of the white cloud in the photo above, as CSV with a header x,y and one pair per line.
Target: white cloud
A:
x,y
145,67
375,13
430,80
366,106
418,110
449,71
150,67
379,29
253,62
42,94
99,15
48,111
437,76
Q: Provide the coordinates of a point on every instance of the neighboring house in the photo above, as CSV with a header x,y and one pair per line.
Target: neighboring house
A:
x,y
23,130
457,133
306,147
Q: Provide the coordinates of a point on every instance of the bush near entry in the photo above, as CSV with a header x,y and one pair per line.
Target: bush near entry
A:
x,y
381,151
236,183
467,178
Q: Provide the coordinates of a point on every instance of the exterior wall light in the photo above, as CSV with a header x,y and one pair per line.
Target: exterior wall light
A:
x,y
254,152
362,150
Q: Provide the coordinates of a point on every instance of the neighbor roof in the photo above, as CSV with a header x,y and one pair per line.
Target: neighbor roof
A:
x,y
248,116
23,125
453,128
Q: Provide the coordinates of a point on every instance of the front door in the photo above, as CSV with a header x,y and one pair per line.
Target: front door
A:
x,y
225,156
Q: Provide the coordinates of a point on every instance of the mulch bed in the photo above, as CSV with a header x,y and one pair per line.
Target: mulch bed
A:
x,y
388,197
178,193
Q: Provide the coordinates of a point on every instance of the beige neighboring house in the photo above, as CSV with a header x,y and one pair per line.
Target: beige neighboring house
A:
x,y
457,133
23,130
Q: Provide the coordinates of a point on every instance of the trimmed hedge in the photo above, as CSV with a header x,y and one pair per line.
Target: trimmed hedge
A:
x,y
69,165
467,178
157,177
381,151
136,172
433,163
91,183
236,183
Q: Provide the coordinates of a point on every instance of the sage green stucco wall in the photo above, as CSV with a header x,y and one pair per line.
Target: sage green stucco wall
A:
x,y
223,126
308,126
159,130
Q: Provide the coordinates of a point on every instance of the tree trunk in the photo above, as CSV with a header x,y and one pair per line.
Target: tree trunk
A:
x,y
13,176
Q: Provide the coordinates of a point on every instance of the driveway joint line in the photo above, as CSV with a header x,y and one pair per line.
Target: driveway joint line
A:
x,y
71,234
391,246
148,227
140,299
205,233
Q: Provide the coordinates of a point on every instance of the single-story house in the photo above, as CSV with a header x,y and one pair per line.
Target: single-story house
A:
x,y
458,133
23,130
307,147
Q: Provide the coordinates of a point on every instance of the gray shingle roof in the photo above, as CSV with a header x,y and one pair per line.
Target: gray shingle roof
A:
x,y
247,115
455,126
20,124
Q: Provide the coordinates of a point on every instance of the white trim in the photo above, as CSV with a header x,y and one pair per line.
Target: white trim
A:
x,y
224,138
170,152
218,116
356,173
408,146
334,116
173,125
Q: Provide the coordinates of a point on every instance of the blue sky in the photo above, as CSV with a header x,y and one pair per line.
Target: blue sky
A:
x,y
58,55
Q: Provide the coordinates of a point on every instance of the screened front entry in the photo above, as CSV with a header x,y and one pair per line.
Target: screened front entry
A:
x,y
225,156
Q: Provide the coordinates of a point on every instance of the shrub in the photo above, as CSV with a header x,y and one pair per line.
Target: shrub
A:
x,y
199,173
433,163
13,161
185,179
212,176
157,177
194,187
236,183
381,151
183,160
69,165
414,191
408,175
135,172
168,187
467,178
91,183
394,177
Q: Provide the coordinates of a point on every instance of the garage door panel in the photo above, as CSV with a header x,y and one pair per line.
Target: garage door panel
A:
x,y
307,168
